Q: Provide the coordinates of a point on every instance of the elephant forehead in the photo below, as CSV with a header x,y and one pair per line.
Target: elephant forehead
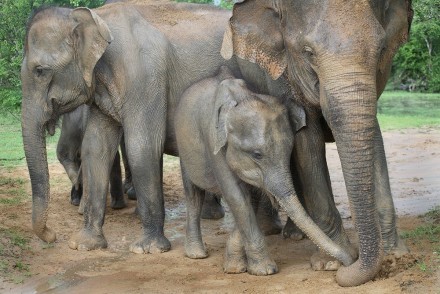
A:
x,y
48,46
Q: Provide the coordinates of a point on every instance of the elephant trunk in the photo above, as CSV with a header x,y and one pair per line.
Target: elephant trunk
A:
x,y
281,188
349,106
34,141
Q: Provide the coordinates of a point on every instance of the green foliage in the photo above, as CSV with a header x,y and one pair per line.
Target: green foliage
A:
x,y
418,61
222,3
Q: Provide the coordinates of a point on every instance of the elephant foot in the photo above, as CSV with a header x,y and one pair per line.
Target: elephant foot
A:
x,y
235,257
234,264
118,203
397,249
85,240
127,185
75,195
195,250
158,244
321,261
262,268
46,234
131,193
212,207
291,231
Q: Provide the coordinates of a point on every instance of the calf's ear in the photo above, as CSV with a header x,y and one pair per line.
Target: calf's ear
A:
x,y
224,103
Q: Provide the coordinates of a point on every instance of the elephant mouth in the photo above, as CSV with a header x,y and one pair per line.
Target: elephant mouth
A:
x,y
53,120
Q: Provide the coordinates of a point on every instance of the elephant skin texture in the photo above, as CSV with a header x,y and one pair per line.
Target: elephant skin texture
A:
x,y
131,64
336,56
69,154
230,138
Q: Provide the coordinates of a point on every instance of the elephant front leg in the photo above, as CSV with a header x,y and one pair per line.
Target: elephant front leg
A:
x,y
194,247
384,200
312,177
144,151
98,151
257,260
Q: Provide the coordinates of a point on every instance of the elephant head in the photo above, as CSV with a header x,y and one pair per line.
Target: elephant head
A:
x,y
62,48
256,134
336,55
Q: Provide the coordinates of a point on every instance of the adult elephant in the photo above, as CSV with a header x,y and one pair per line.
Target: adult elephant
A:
x,y
131,63
336,56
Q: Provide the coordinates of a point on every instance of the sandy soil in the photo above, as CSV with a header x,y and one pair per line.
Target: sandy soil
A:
x,y
414,160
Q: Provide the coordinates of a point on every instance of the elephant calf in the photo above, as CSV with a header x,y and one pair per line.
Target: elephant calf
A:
x,y
239,139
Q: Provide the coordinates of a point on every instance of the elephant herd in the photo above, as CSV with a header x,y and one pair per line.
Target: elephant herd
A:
x,y
246,99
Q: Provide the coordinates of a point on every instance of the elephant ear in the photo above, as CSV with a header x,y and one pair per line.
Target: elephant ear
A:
x,y
91,36
254,34
398,18
224,103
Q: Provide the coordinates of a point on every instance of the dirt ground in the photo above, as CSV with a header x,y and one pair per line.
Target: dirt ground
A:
x,y
414,160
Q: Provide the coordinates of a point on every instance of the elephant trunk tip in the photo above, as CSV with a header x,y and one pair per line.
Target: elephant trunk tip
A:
x,y
46,234
356,274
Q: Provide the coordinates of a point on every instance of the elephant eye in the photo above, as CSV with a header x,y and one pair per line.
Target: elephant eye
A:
x,y
257,155
308,51
41,70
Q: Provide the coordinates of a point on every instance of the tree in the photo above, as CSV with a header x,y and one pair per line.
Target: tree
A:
x,y
419,60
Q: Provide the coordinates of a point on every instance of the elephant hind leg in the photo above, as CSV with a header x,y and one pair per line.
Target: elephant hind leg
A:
x,y
212,207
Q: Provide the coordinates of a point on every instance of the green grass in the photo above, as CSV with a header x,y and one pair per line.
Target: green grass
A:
x,y
13,247
396,110
401,110
428,232
12,191
11,142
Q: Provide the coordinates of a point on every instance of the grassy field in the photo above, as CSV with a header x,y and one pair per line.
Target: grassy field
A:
x,y
401,110
396,110
11,142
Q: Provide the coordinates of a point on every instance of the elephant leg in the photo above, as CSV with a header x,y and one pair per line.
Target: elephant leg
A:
x,y
76,194
291,231
315,186
98,151
384,200
212,207
116,190
68,147
235,255
144,140
267,216
194,247
258,260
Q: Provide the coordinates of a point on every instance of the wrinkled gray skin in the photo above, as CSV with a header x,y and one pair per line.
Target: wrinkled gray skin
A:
x,y
131,64
229,139
336,56
69,154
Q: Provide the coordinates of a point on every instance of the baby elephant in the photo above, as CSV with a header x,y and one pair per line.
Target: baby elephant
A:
x,y
230,139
